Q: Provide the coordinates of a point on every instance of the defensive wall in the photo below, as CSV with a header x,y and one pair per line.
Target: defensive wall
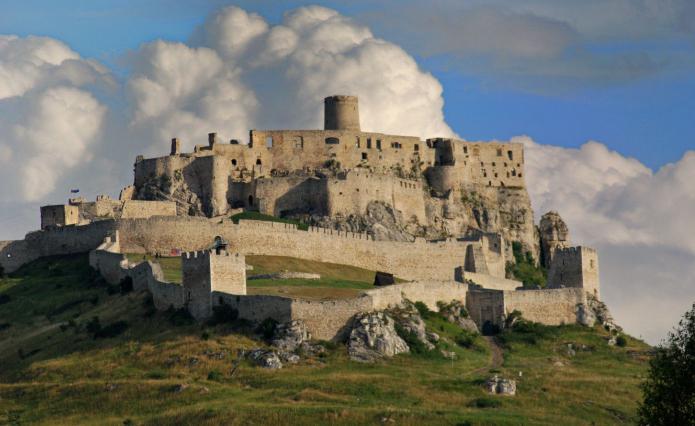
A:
x,y
575,267
547,306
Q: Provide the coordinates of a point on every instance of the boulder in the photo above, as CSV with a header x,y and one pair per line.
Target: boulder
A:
x,y
409,319
554,235
373,337
456,313
265,358
500,386
290,335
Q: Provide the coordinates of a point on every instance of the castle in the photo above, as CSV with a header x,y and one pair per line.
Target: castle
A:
x,y
459,205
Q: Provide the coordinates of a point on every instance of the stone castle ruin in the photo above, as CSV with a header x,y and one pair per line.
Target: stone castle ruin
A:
x,y
441,214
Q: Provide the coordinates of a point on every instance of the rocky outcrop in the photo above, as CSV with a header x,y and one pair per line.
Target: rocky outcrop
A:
x,y
265,358
290,336
554,234
455,312
596,312
164,188
409,320
500,386
374,337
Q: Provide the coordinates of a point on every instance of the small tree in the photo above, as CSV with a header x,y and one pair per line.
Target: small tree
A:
x,y
669,391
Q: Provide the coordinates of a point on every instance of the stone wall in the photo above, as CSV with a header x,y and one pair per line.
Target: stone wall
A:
x,y
408,260
490,282
14,254
550,306
486,306
59,215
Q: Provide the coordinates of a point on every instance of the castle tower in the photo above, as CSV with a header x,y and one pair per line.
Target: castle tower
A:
x,y
175,146
208,272
341,113
575,267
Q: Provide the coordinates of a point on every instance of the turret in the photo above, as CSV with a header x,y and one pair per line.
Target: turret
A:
x,y
341,113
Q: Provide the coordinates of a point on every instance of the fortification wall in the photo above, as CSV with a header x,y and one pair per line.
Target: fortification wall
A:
x,y
494,164
197,282
228,272
292,194
351,193
330,319
256,308
429,292
550,307
492,283
14,254
486,306
575,267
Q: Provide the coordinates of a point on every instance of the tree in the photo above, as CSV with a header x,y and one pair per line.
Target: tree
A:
x,y
669,391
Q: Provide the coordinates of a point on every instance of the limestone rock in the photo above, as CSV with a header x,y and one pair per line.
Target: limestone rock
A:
x,y
500,386
409,319
290,335
455,312
554,234
265,358
288,357
373,337
432,336
602,314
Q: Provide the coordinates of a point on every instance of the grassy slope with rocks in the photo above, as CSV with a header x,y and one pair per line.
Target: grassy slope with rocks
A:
x,y
163,369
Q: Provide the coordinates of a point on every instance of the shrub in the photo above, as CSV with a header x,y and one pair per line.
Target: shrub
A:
x,y
621,341
485,403
157,374
93,326
465,340
205,335
94,300
525,269
267,328
215,375
111,330
417,347
422,309
4,298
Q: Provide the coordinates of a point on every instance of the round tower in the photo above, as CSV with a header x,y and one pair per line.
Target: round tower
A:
x,y
341,113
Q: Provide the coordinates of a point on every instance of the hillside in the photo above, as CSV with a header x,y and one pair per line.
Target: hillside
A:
x,y
138,366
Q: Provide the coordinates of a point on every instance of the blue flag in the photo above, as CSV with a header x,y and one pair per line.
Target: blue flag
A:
x,y
74,191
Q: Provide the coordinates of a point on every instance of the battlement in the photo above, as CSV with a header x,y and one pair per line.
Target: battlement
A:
x,y
575,267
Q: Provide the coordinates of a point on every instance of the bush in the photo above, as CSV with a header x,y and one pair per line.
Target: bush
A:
x,y
465,340
422,309
485,403
93,326
111,330
417,347
621,341
267,328
215,375
157,374
205,335
4,298
525,269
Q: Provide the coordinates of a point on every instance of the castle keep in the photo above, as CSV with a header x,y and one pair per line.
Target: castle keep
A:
x,y
441,214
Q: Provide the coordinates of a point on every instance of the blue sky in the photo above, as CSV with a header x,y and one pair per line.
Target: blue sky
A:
x,y
650,117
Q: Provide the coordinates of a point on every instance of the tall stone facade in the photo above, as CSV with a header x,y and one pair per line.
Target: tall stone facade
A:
x,y
208,271
575,267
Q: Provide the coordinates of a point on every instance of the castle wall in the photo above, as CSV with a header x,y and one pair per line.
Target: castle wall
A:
x,y
228,272
490,282
14,254
351,193
280,196
427,291
550,306
197,283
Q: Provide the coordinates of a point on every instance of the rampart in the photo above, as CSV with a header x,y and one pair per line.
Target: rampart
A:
x,y
575,267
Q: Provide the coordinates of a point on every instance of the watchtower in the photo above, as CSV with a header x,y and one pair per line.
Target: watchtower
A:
x,y
575,267
341,113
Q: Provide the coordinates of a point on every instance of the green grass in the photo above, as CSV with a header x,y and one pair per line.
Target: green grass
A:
x,y
171,266
76,379
267,218
525,269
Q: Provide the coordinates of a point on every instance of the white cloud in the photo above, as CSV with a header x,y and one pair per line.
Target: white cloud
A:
x,y
640,221
48,122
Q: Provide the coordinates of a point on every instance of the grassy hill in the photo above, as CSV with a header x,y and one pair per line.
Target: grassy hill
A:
x,y
139,366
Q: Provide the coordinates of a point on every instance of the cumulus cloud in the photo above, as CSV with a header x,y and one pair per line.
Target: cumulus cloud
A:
x,y
48,122
239,72
639,221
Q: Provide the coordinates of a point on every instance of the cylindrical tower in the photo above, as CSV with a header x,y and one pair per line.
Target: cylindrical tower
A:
x,y
341,113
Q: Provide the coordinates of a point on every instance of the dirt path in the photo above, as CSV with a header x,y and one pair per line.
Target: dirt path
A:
x,y
497,352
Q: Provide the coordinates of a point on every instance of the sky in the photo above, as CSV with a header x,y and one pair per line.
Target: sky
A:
x,y
601,93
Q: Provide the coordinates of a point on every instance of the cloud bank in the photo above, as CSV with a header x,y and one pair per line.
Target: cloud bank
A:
x,y
65,121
